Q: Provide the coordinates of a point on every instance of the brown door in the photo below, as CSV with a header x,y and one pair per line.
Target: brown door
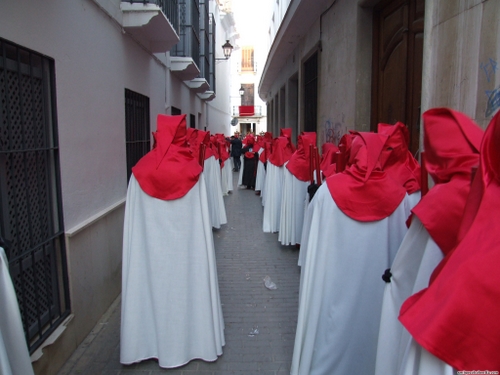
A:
x,y
398,37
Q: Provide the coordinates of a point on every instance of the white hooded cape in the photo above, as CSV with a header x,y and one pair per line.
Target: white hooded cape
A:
x,y
171,307
341,289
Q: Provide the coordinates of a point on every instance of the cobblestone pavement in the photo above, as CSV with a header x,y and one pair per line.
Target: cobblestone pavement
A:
x,y
259,323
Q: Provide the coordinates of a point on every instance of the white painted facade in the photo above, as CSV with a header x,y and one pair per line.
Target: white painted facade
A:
x,y
96,59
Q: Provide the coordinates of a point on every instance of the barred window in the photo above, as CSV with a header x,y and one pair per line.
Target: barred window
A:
x,y
247,63
31,217
138,134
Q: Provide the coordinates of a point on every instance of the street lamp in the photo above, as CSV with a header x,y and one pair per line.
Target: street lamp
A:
x,y
227,48
242,90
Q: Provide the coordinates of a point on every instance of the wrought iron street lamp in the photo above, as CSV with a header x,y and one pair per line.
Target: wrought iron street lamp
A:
x,y
227,49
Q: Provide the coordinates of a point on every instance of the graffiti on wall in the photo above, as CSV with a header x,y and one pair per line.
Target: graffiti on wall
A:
x,y
489,69
334,130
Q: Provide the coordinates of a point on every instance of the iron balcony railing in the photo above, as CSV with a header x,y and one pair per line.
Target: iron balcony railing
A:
x,y
169,7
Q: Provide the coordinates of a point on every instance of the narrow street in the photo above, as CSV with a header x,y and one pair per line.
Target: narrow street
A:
x,y
260,323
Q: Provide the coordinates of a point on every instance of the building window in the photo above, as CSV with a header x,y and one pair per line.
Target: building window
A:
x,y
247,62
175,111
31,216
138,133
311,93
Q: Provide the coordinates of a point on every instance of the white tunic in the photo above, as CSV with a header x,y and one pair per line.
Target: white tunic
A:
x,y
341,287
273,194
216,205
292,209
415,260
14,355
171,307
260,179
227,177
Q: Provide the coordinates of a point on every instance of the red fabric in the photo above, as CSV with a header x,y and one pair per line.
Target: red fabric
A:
x,y
224,153
299,163
169,170
363,191
287,132
397,160
449,137
247,110
204,137
457,317
328,155
281,151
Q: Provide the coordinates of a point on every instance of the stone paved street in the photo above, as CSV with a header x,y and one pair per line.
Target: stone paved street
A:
x,y
259,323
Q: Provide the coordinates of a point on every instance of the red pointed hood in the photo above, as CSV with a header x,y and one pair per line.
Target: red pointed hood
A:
x,y
328,155
299,164
169,170
364,192
397,160
452,142
281,151
444,317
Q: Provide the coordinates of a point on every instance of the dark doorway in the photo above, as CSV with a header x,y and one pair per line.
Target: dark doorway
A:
x,y
398,36
311,93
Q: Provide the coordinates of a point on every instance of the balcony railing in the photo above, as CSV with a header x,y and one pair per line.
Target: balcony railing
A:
x,y
169,7
247,110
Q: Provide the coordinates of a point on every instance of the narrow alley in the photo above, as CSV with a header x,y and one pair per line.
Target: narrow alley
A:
x,y
260,323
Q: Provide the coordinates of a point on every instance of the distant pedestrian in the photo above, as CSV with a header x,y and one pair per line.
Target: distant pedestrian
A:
x,y
236,147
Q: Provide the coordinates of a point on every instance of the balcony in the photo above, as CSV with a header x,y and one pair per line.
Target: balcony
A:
x,y
154,23
247,111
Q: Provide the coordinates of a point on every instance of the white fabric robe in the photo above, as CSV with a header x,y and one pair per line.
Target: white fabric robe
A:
x,y
216,205
14,355
227,177
341,288
240,175
274,192
260,179
292,209
418,361
415,260
171,307
413,265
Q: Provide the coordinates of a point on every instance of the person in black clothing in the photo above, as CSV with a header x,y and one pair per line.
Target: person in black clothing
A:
x,y
236,146
250,160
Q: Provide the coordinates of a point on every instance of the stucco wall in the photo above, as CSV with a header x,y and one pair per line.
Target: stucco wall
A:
x,y
95,61
462,65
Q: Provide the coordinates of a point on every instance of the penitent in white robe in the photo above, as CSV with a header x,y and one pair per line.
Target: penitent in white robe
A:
x,y
415,260
273,195
216,205
227,177
341,289
292,209
171,307
14,355
260,179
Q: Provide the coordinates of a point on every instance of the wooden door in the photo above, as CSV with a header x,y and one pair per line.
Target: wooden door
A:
x,y
397,65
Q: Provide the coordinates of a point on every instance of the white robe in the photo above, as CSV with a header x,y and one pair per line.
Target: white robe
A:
x,y
216,205
260,179
274,192
240,175
415,260
418,361
171,307
227,177
292,209
341,289
14,355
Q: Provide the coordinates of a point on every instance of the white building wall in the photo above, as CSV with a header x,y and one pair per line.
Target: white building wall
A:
x,y
95,61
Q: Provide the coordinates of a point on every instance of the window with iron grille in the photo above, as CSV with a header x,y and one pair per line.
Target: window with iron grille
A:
x,y
31,216
311,93
247,63
138,135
